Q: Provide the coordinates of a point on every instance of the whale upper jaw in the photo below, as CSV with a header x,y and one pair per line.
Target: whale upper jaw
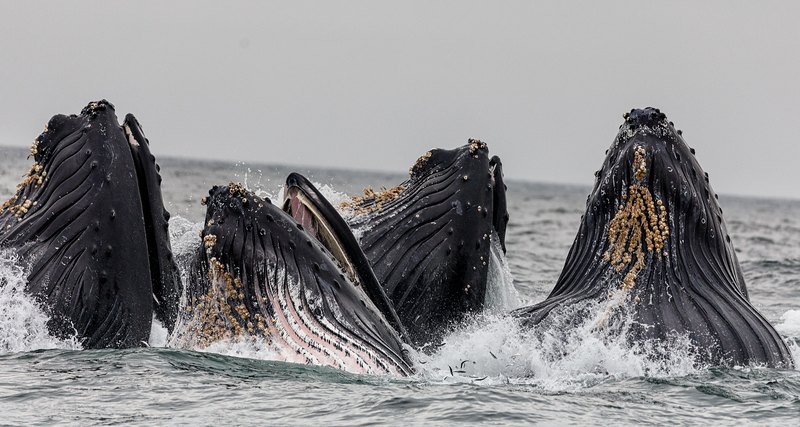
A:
x,y
429,239
90,221
653,244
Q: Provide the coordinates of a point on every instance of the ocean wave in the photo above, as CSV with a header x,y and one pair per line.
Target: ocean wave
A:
x,y
790,324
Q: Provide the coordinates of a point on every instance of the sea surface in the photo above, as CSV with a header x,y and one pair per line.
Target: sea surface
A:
x,y
488,371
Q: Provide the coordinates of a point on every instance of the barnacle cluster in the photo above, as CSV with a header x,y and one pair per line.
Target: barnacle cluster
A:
x,y
18,210
221,312
35,145
209,240
475,145
639,224
237,189
417,166
640,162
18,205
234,189
372,201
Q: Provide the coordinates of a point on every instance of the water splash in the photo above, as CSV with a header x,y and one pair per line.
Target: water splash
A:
x,y
23,322
184,235
561,354
501,295
158,334
790,329
185,238
790,324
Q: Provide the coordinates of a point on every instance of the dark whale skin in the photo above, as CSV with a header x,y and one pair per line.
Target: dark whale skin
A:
x,y
653,232
429,239
77,222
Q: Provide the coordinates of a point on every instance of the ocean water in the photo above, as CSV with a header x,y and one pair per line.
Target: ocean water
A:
x,y
487,371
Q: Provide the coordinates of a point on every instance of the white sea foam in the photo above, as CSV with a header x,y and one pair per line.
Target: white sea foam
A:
x,y
23,323
184,235
556,355
790,329
185,239
158,334
790,324
334,196
501,295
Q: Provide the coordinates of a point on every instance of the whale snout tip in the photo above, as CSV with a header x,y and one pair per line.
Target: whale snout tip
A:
x,y
233,198
476,144
95,107
644,117
295,179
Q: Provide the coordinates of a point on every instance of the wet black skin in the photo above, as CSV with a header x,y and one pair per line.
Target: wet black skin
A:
x,y
164,272
430,245
253,239
96,240
696,287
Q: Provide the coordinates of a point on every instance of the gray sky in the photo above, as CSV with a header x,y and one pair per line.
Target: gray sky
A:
x,y
373,85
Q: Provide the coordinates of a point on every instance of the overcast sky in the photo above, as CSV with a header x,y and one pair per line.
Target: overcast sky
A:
x,y
373,85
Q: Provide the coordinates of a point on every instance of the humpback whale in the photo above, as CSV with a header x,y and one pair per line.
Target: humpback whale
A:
x,y
654,239
89,221
428,239
260,273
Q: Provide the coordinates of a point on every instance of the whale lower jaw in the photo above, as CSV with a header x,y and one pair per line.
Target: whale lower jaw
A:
x,y
302,338
283,318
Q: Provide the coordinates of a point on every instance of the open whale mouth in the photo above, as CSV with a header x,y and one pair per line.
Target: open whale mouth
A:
x,y
306,204
310,212
260,273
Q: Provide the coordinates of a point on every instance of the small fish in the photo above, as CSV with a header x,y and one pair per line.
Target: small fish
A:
x,y
493,355
451,370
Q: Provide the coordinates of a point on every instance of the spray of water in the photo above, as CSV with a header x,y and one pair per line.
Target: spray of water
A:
x,y
23,322
501,295
789,327
561,354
